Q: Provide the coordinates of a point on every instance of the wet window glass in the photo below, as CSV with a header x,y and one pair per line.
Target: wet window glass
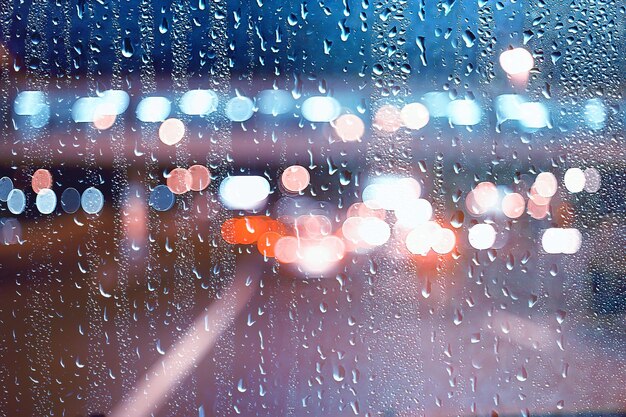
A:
x,y
369,208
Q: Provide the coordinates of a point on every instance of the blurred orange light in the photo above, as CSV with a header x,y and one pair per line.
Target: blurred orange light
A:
x,y
388,119
200,177
42,179
513,205
349,127
267,243
295,178
179,180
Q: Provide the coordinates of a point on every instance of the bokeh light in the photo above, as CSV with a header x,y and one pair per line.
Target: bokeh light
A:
x,y
349,127
482,236
295,178
391,193
537,211
16,201
374,231
42,179
274,102
200,177
444,241
179,180
6,185
420,240
388,118
464,112
244,192
198,102
574,180
516,61
593,180
161,198
239,109
92,200
153,109
534,115
415,116
561,241
546,184
70,200
513,205
321,109
171,131
286,249
46,201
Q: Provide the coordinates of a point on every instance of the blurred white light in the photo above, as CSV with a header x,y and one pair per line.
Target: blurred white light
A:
x,y
464,112
561,241
415,116
508,107
574,180
444,241
198,102
114,102
482,236
274,102
533,115
29,103
153,109
374,231
391,193
573,241
83,109
419,241
244,192
551,241
239,109
437,103
321,109
318,256
413,212
595,114
109,103
516,61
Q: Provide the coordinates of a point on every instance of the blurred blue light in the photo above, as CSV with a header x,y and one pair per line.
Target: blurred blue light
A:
x,y
437,103
508,107
70,200
6,185
239,109
92,200
161,198
29,103
16,201
46,201
274,102
595,114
